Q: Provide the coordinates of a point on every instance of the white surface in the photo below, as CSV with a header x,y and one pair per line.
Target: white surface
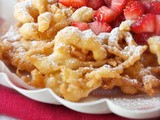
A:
x,y
2,117
6,10
137,107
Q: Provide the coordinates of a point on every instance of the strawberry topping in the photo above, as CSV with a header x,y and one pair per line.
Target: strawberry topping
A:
x,y
117,21
105,14
157,26
146,23
74,3
152,7
118,5
81,25
141,38
133,10
95,4
98,27
108,2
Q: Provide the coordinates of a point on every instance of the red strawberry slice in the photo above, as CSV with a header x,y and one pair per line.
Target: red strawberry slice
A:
x,y
117,21
81,25
152,7
141,38
118,5
104,14
145,1
95,4
108,2
74,3
157,26
99,27
133,10
146,23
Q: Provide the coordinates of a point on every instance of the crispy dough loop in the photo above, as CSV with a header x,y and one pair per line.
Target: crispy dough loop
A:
x,y
29,31
74,37
44,21
150,82
130,54
41,5
44,64
38,56
116,35
83,14
112,42
24,12
135,55
154,45
47,24
15,54
41,47
104,72
75,86
126,84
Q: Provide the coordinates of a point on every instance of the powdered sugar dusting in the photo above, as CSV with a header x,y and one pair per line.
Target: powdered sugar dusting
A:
x,y
145,71
138,103
114,36
88,33
132,81
45,16
22,11
23,5
12,34
52,1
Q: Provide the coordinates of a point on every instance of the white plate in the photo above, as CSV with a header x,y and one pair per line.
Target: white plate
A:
x,y
137,106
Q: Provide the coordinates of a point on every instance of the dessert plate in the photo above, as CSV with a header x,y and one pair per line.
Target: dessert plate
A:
x,y
99,102
135,106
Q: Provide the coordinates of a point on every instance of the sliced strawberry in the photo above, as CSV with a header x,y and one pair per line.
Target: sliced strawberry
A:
x,y
133,10
152,7
145,23
74,3
118,20
144,1
157,26
108,2
81,25
104,14
141,38
118,5
99,27
95,4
